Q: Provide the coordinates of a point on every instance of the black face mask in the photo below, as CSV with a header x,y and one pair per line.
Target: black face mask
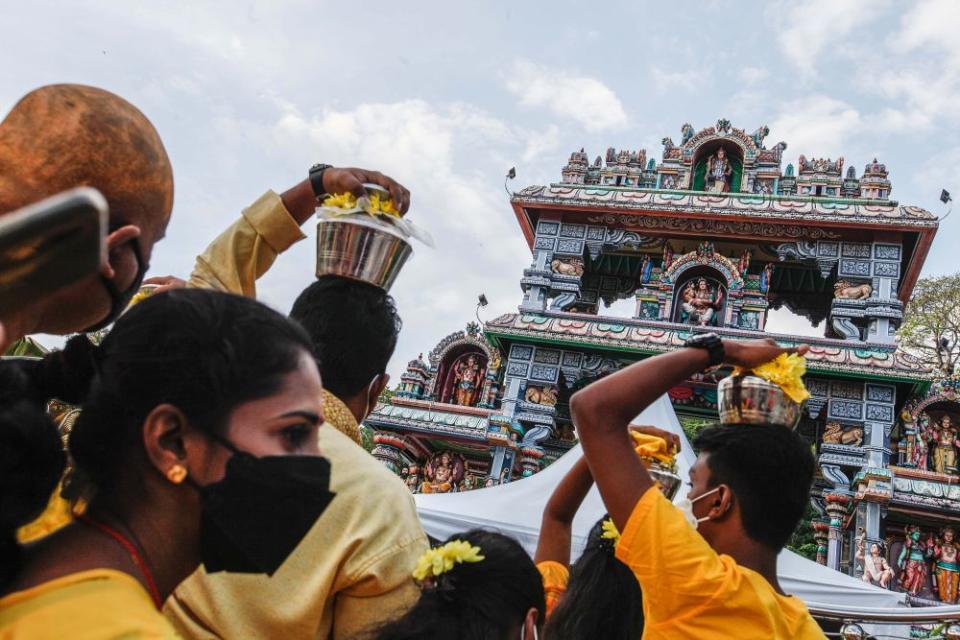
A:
x,y
120,299
259,512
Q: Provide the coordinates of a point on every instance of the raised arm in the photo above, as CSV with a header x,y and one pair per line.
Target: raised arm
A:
x,y
603,410
557,524
239,256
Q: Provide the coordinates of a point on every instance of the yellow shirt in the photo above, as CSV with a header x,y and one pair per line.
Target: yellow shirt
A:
x,y
247,248
351,572
245,251
555,578
100,604
690,591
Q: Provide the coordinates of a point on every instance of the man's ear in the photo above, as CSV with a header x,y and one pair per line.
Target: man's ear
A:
x,y
381,383
116,238
722,502
164,431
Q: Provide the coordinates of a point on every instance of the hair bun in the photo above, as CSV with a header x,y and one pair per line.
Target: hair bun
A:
x,y
67,374
32,459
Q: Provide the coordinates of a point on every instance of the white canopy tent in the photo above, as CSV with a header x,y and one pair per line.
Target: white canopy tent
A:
x,y
515,509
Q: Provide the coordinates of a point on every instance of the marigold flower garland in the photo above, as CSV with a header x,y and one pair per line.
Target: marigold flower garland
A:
x,y
786,371
348,203
439,560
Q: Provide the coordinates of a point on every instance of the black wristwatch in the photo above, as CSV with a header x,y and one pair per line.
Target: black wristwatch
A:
x,y
316,178
712,343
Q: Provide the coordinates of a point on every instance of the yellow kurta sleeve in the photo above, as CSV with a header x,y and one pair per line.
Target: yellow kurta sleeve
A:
x,y
247,249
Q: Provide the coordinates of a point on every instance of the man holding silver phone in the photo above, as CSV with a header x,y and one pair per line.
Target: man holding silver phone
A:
x,y
63,136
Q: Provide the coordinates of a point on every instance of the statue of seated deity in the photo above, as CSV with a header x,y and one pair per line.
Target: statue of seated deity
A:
x,y
876,569
700,303
443,473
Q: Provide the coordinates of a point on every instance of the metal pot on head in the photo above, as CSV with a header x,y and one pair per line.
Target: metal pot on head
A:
x,y
750,399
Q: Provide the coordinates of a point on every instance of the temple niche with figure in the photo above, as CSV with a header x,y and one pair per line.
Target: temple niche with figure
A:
x,y
715,235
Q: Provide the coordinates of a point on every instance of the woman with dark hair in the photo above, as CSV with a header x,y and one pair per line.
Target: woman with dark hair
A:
x,y
598,597
478,585
197,442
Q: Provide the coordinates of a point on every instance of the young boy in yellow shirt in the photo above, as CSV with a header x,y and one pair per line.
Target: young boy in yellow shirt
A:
x,y
708,570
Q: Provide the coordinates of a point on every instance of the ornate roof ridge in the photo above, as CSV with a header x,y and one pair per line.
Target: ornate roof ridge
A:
x,y
826,355
606,198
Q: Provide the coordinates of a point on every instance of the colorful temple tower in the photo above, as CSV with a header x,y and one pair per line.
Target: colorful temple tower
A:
x,y
711,238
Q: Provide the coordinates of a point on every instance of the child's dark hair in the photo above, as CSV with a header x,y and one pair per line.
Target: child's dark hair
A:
x,y
603,598
484,600
204,352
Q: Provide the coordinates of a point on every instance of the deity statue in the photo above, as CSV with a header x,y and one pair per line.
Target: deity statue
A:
x,y
667,255
919,449
718,172
913,561
646,270
744,263
766,277
411,478
876,569
945,451
466,379
442,473
700,303
946,571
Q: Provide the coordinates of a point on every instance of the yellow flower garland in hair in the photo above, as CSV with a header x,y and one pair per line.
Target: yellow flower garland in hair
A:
x,y
610,531
439,560
786,371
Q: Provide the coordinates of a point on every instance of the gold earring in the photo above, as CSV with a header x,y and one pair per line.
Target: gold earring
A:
x,y
177,473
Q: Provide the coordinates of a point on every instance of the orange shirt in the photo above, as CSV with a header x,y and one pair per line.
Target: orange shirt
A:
x,y
691,591
555,578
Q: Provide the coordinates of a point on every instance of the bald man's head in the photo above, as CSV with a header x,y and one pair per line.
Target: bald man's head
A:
x,y
63,136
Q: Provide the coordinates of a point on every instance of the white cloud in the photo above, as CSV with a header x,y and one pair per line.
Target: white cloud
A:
x,y
819,26
753,75
582,99
816,126
688,80
449,152
932,22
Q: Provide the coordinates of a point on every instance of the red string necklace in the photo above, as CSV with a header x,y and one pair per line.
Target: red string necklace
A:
x,y
134,555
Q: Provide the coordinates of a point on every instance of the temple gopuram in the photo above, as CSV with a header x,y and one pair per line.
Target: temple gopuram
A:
x,y
712,237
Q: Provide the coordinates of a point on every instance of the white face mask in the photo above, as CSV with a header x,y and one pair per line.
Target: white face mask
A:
x,y
686,506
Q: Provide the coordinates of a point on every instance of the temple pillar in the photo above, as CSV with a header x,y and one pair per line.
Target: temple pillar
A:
x,y
530,460
821,534
502,461
837,504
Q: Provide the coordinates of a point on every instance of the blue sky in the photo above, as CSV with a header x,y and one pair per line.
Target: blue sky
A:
x,y
447,96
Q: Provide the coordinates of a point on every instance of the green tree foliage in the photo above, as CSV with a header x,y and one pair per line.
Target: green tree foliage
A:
x,y
803,541
931,323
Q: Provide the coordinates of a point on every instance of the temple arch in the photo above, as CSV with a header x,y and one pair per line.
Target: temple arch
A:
x,y
735,154
700,297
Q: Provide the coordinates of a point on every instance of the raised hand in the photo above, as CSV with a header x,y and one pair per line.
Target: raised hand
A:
x,y
748,354
166,283
673,440
351,180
